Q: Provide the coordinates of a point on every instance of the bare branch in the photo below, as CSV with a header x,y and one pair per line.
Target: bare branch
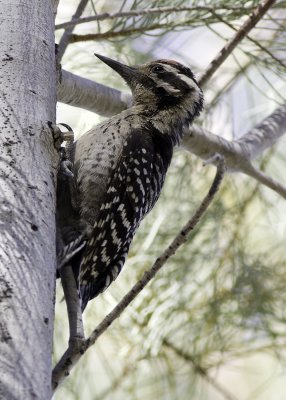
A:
x,y
73,354
256,42
246,27
150,11
266,180
80,92
65,39
265,134
237,153
126,32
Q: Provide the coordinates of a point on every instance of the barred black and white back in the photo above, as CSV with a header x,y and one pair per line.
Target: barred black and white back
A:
x,y
120,165
132,191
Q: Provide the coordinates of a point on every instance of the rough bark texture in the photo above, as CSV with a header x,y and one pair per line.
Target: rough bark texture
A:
x,y
27,174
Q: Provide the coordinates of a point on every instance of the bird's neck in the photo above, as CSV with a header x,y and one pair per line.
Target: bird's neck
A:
x,y
168,121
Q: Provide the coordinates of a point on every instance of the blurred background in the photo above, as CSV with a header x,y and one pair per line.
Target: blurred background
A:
x,y
212,324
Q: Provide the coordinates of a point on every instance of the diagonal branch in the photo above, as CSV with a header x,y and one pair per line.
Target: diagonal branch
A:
x,y
256,42
246,27
73,354
65,39
265,180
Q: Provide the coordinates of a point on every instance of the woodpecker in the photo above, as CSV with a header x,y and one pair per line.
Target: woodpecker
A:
x,y
119,170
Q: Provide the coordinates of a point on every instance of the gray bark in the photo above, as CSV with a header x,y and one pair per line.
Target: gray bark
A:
x,y
27,198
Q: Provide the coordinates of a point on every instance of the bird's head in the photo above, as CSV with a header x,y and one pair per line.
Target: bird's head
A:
x,y
161,85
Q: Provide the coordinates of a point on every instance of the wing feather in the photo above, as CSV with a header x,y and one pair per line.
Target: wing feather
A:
x,y
132,192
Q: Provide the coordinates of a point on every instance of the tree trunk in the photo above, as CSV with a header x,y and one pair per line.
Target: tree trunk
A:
x,y
27,198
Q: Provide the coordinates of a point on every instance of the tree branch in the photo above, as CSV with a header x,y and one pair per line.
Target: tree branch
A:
x,y
246,27
65,39
127,32
84,93
203,143
150,11
256,42
254,17
238,154
73,354
265,134
266,180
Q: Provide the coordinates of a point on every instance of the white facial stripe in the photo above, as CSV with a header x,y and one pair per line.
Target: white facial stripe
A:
x,y
173,91
169,88
188,81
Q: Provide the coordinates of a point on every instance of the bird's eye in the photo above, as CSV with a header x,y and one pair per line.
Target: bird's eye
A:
x,y
157,68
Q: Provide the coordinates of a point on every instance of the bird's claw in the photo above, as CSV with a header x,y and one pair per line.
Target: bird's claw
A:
x,y
66,166
61,136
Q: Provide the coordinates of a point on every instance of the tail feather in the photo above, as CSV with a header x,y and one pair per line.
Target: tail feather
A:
x,y
70,250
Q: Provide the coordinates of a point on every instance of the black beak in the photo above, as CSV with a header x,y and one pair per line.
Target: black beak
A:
x,y
129,74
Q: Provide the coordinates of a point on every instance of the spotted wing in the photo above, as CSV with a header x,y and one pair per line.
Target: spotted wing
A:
x,y
133,190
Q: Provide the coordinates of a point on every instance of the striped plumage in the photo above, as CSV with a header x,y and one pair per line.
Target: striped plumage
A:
x,y
120,168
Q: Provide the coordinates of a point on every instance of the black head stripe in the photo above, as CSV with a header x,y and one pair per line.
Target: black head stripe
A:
x,y
174,80
179,67
168,62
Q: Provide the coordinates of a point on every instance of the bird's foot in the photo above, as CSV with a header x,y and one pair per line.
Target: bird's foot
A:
x,y
60,135
66,166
